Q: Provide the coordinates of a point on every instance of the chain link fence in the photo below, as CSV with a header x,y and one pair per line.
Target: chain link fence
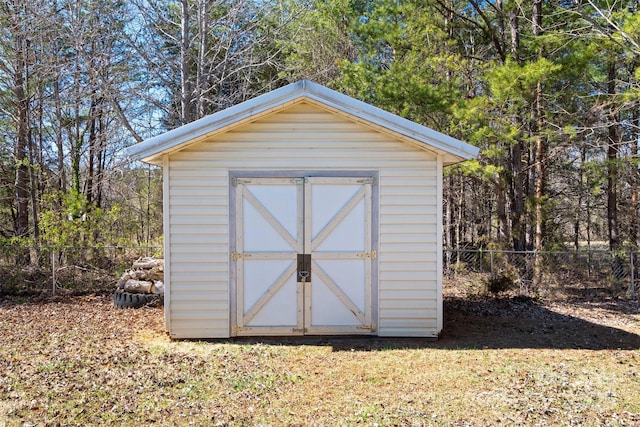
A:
x,y
561,274
77,269
36,270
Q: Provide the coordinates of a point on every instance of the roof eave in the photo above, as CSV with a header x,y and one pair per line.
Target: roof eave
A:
x,y
393,123
152,150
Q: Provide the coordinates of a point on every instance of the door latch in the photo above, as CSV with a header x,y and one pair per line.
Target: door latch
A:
x,y
304,267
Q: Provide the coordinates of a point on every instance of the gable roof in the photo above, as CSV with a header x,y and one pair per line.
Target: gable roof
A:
x,y
152,150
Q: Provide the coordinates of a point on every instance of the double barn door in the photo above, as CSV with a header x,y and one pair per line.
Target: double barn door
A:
x,y
303,256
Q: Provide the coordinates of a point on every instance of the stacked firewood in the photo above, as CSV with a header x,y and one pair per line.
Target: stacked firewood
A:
x,y
146,276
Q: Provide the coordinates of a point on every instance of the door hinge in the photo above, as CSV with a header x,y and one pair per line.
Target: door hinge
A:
x,y
300,330
371,255
371,327
371,181
235,181
235,330
236,256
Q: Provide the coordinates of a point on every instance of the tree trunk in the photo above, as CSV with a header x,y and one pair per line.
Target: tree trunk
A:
x,y
186,95
203,45
515,33
501,213
516,189
92,147
62,179
34,180
582,188
635,179
612,165
541,143
100,158
76,136
518,235
540,158
20,148
449,215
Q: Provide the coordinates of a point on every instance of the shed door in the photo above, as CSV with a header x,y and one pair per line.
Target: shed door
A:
x,y
303,256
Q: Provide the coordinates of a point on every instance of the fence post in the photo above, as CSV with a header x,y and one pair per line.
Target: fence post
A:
x,y
633,275
53,272
492,276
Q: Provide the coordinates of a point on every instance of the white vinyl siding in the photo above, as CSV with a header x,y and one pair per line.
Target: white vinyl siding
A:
x,y
199,245
303,137
408,251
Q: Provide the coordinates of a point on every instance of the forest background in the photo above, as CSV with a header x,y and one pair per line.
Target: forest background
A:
x,y
549,90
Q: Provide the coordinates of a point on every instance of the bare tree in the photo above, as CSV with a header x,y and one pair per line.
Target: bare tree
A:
x,y
206,55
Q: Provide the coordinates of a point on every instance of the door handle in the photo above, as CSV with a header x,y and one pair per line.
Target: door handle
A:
x,y
304,267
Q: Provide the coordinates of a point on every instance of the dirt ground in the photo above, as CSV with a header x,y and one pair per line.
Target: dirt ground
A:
x,y
77,360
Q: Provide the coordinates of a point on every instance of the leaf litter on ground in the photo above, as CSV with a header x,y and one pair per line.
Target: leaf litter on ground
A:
x,y
515,361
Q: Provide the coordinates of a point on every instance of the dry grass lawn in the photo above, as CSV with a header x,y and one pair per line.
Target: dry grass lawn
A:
x,y
512,361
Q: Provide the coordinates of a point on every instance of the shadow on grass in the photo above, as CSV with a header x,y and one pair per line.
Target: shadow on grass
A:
x,y
523,323
490,324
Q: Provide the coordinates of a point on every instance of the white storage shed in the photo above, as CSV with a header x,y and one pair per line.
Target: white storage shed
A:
x,y
302,212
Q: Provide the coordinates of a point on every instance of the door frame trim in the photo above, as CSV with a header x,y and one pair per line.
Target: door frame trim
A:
x,y
330,173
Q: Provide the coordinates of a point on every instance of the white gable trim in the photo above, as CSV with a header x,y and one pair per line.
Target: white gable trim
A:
x,y
151,150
